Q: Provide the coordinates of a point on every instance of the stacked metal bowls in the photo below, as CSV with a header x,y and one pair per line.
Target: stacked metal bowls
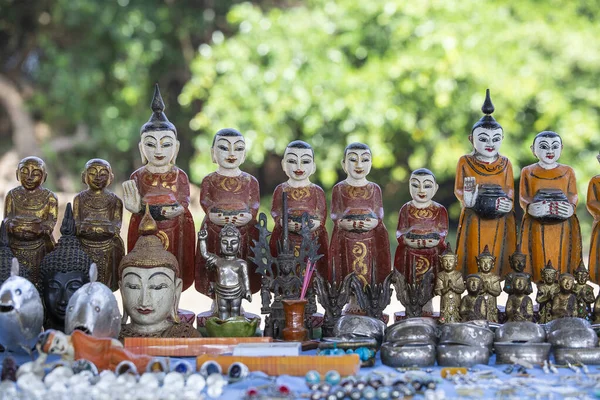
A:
x,y
573,340
464,344
410,343
521,340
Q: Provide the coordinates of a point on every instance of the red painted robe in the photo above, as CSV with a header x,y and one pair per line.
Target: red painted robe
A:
x,y
228,194
560,241
356,251
593,206
475,232
414,263
309,199
164,189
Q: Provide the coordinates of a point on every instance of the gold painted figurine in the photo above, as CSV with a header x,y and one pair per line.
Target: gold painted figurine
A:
x,y
473,306
491,283
564,304
519,306
518,262
30,213
450,286
547,288
584,292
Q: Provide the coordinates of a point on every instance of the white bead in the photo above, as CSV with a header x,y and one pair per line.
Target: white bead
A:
x,y
195,382
174,381
148,381
214,391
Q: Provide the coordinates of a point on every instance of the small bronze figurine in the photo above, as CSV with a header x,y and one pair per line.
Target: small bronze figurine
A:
x,y
232,283
333,296
474,306
30,213
564,303
519,306
584,292
413,296
491,283
518,262
375,297
98,216
547,288
450,286
63,271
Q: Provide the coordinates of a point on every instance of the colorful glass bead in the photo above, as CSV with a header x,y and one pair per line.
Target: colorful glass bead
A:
x,y
312,377
369,393
333,377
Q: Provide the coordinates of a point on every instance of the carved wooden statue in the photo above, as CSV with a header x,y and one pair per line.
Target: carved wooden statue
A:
x,y
547,288
593,207
474,306
450,286
519,306
491,283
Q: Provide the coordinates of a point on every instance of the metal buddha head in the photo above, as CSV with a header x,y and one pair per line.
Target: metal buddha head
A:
x,y
518,260
97,174
549,274
581,273
150,282
448,260
485,261
63,271
230,240
31,172
474,284
566,282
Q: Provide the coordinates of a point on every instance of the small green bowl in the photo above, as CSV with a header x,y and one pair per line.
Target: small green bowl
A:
x,y
231,327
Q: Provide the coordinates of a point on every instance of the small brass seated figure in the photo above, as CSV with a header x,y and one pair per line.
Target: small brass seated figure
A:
x,y
547,288
519,306
584,292
473,306
450,286
564,303
518,262
491,283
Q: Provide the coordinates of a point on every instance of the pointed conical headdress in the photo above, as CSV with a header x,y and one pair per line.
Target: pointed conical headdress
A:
x,y
487,121
486,253
581,267
158,120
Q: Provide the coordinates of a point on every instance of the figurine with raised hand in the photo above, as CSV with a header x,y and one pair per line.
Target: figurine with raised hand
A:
x,y
584,292
473,306
228,195
449,285
593,207
519,306
564,303
548,195
164,188
421,232
98,214
547,288
30,213
491,282
485,188
303,197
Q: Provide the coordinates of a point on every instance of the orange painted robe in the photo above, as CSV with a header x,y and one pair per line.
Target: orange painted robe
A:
x,y
359,251
560,241
411,262
172,187
593,206
220,193
309,199
475,232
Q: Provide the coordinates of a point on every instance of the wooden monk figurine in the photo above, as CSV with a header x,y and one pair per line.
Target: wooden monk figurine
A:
x,y
547,288
422,230
473,306
163,187
98,215
564,303
491,283
303,196
360,240
548,196
450,286
228,195
485,188
584,292
593,206
30,213
519,306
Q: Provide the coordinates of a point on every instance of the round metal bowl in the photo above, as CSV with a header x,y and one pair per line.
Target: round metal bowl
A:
x,y
573,338
567,322
417,321
467,334
520,332
535,353
458,355
408,355
411,333
359,326
589,356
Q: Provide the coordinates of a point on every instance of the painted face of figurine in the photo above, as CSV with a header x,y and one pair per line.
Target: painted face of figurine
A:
x,y
149,294
582,277
422,188
230,245
566,283
31,173
548,149
159,148
229,152
448,262
474,285
485,264
98,176
298,164
549,276
487,141
357,163
58,289
60,344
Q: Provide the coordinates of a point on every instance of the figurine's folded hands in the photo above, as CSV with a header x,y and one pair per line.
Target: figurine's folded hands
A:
x,y
358,225
241,219
563,208
539,209
131,197
470,192
504,204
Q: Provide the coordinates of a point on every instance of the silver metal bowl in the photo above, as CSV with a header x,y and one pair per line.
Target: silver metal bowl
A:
x,y
411,333
467,334
567,322
589,356
458,355
520,332
359,326
535,353
573,338
408,355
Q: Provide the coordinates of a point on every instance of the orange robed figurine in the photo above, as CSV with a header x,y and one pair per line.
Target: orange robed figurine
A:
x,y
484,185
228,195
303,196
548,195
360,240
165,188
593,206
